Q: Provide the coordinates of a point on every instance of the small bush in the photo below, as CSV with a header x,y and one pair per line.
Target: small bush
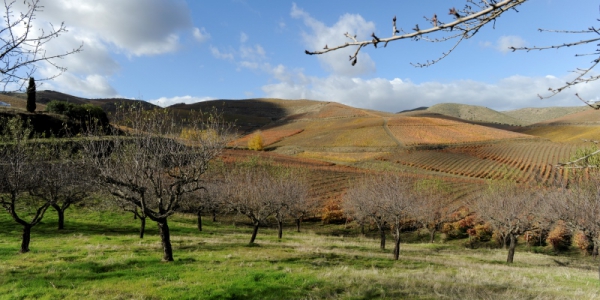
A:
x,y
256,142
583,242
559,237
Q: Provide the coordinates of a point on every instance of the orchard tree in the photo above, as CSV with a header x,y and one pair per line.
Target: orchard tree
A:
x,y
300,204
149,165
64,179
399,198
249,192
206,200
387,199
22,45
19,172
432,205
292,197
577,203
362,201
509,209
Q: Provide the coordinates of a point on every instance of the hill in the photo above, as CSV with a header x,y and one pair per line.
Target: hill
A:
x,y
572,128
473,113
530,116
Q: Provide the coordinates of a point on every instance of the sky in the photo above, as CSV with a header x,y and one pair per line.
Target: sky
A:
x,y
174,51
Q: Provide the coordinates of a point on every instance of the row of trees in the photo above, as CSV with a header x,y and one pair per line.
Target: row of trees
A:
x,y
151,166
398,203
38,174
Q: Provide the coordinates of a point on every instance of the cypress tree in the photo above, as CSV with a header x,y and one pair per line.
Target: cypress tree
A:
x,y
31,95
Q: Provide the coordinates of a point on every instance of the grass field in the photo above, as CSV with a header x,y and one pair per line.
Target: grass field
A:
x,y
99,256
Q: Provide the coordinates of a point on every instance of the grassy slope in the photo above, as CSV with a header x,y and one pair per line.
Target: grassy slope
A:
x,y
572,128
473,113
532,115
99,256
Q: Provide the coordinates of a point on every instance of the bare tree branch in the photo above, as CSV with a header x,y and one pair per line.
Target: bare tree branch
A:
x,y
22,50
467,22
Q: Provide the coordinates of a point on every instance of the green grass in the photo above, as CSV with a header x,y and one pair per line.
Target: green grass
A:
x,y
99,256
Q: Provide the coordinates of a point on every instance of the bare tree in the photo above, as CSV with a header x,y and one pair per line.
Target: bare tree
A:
x,y
362,201
148,165
432,205
18,173
387,199
249,191
300,204
64,179
205,200
509,209
398,198
577,203
292,198
22,46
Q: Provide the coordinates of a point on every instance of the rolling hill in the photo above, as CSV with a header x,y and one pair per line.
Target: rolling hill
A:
x,y
572,128
529,116
474,113
448,141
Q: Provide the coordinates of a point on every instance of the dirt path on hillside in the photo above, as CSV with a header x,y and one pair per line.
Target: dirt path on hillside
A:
x,y
389,132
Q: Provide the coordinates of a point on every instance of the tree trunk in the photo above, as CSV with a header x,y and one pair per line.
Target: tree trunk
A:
x,y
298,225
397,244
511,249
199,221
279,229
254,232
142,227
165,238
61,216
432,236
382,236
26,239
214,215
362,228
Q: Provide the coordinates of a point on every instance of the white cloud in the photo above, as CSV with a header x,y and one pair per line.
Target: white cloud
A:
x,y
200,34
400,94
243,37
137,27
253,53
164,101
220,55
132,27
504,42
321,35
92,86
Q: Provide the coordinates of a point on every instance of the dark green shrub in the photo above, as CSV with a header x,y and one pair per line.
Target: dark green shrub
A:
x,y
85,113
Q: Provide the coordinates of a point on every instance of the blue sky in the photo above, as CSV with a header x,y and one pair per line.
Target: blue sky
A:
x,y
171,51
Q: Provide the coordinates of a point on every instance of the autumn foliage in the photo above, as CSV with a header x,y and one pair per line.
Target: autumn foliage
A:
x,y
256,142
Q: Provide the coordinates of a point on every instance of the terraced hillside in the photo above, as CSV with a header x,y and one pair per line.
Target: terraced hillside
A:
x,y
521,161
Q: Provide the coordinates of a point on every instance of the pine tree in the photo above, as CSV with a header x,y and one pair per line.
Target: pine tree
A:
x,y
31,95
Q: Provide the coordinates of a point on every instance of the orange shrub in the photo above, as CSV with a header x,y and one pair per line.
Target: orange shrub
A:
x,y
559,237
583,242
